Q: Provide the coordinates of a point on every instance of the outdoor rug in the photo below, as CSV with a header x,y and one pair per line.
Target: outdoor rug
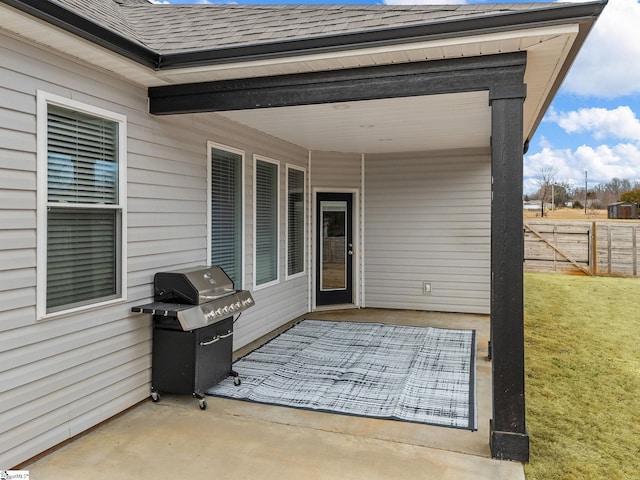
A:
x,y
415,374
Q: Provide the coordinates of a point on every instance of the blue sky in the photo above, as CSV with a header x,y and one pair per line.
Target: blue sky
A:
x,y
593,123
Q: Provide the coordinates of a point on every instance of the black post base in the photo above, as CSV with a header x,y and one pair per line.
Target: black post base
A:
x,y
509,445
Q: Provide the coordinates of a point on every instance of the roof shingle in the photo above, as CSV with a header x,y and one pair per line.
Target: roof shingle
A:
x,y
178,28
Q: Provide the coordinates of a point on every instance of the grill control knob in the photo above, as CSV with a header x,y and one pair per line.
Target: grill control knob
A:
x,y
225,310
218,311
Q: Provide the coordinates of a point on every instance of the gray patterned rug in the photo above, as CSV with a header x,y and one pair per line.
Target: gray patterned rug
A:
x,y
415,374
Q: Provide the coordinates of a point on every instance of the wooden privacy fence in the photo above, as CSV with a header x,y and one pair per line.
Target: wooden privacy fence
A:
x,y
590,248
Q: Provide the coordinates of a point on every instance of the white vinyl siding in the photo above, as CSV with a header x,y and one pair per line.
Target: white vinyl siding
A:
x,y
427,219
60,377
82,191
336,170
296,225
226,210
266,194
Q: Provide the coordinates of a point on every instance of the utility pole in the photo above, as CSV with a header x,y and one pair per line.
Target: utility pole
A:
x,y
586,196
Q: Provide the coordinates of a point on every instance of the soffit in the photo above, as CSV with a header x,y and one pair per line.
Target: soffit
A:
x,y
56,40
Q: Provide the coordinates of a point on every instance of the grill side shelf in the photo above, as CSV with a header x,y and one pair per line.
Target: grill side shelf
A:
x,y
161,308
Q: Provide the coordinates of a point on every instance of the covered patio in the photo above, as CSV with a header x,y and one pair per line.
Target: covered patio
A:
x,y
236,439
234,137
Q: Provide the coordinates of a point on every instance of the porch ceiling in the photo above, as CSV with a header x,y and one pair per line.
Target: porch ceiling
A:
x,y
435,122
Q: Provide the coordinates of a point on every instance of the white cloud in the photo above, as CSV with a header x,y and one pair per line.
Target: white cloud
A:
x,y
608,64
605,163
602,163
559,160
618,159
544,143
602,123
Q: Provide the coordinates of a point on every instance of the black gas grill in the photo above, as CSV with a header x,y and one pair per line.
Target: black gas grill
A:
x,y
193,317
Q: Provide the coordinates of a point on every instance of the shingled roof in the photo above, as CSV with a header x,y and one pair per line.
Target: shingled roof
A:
x,y
179,28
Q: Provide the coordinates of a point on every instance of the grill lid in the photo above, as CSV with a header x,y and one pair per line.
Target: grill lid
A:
x,y
195,285
195,297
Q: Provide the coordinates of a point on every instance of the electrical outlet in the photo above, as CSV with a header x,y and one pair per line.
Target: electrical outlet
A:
x,y
427,288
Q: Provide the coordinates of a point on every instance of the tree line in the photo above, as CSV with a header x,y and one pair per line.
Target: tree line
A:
x,y
551,191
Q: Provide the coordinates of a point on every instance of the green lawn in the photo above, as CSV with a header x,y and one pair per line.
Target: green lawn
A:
x,y
582,337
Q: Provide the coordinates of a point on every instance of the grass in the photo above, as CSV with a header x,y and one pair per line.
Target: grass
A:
x,y
582,337
566,214
576,214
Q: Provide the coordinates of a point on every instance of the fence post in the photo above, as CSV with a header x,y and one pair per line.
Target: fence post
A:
x,y
609,249
634,244
594,248
555,242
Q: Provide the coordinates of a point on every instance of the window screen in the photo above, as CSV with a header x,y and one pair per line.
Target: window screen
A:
x,y
295,221
226,213
83,215
266,261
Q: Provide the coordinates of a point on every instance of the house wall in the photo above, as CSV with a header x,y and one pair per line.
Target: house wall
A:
x,y
61,376
427,219
288,299
336,170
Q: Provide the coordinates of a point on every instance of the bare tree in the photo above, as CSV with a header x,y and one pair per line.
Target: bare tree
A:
x,y
604,194
618,185
546,178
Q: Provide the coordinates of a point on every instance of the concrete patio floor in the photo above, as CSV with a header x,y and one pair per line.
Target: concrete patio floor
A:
x,y
236,440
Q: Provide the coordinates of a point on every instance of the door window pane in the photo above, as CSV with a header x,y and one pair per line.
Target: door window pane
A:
x,y
333,244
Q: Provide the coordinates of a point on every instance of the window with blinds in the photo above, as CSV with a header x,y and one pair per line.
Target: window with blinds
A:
x,y
84,217
295,221
266,227
226,213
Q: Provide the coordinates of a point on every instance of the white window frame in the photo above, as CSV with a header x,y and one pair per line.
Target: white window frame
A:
x,y
303,272
226,148
44,99
256,159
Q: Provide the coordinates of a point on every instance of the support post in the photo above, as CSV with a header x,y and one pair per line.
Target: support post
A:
x,y
509,437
